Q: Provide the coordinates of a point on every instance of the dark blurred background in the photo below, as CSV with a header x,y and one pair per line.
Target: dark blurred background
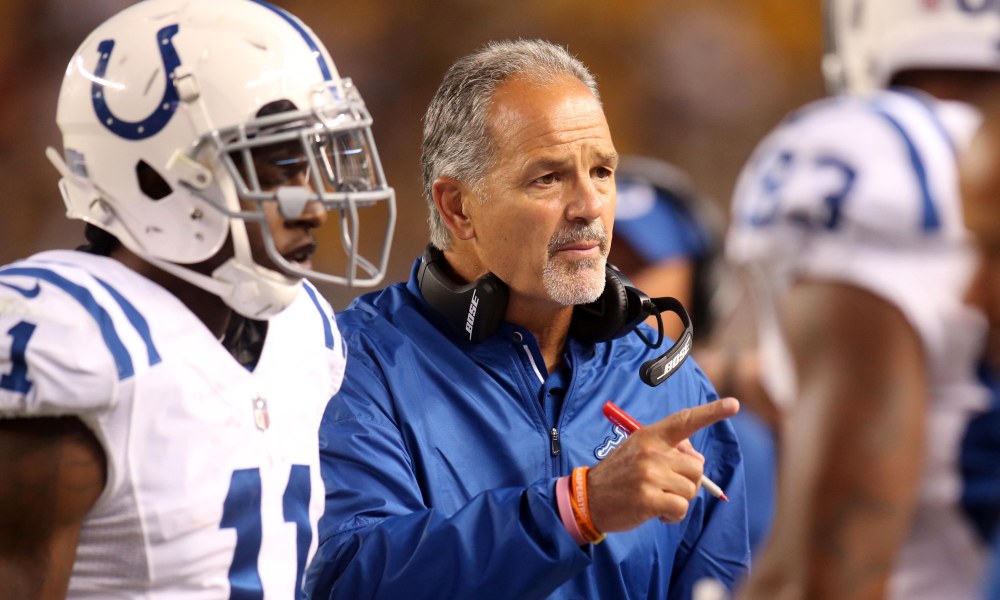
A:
x,y
693,82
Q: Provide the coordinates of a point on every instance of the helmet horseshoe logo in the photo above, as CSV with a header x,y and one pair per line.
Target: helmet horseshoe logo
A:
x,y
151,125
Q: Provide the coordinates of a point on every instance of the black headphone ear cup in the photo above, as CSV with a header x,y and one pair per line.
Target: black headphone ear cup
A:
x,y
475,310
611,315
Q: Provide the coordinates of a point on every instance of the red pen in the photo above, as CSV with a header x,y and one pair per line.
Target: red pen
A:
x,y
622,419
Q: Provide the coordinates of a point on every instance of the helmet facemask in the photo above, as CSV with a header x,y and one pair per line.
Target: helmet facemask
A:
x,y
331,150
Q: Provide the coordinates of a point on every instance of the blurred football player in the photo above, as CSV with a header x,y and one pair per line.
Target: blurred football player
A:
x,y
980,186
161,388
848,218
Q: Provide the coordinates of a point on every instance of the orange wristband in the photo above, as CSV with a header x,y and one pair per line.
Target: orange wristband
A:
x,y
579,501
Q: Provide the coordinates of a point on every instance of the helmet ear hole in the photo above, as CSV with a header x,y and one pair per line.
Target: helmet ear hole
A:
x,y
276,106
151,182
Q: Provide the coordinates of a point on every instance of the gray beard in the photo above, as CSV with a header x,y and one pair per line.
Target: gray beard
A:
x,y
578,282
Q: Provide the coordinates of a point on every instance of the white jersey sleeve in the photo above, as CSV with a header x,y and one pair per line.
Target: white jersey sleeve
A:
x,y
66,341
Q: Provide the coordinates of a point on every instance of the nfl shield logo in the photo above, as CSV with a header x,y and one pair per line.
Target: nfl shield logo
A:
x,y
260,416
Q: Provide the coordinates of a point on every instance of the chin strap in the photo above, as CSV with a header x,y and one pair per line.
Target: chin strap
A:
x,y
252,291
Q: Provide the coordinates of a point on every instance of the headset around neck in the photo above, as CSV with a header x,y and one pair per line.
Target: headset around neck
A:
x,y
476,309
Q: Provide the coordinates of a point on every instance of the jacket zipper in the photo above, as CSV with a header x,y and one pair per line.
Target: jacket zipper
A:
x,y
555,448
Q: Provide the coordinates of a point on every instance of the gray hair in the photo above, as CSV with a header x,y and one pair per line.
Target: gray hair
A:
x,y
457,141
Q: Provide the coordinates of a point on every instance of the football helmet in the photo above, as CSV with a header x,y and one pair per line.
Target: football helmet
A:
x,y
869,41
172,110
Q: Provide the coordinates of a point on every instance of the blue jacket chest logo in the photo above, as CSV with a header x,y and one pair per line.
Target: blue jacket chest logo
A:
x,y
611,442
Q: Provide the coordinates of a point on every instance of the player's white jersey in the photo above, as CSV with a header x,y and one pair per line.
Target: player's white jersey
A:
x,y
864,191
213,484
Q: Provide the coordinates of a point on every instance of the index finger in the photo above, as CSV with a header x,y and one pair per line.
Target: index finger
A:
x,y
683,424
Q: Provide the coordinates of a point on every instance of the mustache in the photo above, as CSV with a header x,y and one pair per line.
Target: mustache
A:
x,y
591,231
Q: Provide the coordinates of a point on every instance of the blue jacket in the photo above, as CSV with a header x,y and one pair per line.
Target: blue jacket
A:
x,y
440,458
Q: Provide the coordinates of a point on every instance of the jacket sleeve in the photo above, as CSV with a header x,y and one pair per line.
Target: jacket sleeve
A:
x,y
379,539
716,541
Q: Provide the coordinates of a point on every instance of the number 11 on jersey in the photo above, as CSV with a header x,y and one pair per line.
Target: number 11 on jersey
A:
x,y
242,512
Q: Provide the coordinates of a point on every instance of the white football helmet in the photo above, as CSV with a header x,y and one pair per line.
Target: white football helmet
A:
x,y
167,111
869,41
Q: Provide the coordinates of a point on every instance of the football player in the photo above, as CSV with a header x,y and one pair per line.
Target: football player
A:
x,y
848,218
980,182
161,388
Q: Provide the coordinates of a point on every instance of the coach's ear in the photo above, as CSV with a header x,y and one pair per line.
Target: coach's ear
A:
x,y
452,199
